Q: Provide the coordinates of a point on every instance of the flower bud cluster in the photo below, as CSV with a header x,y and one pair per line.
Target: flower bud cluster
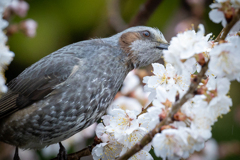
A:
x,y
20,8
5,55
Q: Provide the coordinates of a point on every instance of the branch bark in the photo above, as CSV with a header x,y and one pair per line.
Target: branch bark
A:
x,y
144,13
114,14
82,153
223,34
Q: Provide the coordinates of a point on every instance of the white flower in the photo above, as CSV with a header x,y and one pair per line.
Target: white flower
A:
x,y
234,40
162,77
107,151
101,133
141,155
5,55
129,140
223,61
122,122
4,4
211,84
151,118
163,95
130,83
196,138
19,7
222,9
125,103
220,105
169,144
196,110
217,16
185,45
3,87
29,27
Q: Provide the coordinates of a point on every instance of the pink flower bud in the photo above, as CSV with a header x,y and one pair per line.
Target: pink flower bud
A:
x,y
29,27
19,7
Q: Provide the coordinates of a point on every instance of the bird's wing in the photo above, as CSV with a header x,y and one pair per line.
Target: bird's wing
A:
x,y
38,81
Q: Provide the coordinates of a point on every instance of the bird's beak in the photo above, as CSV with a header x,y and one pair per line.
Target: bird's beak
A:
x,y
163,46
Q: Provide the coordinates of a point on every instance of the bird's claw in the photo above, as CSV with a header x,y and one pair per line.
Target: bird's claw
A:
x,y
62,155
16,157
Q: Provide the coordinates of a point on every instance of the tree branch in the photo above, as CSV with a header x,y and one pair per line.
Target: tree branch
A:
x,y
114,14
190,93
223,34
144,13
82,153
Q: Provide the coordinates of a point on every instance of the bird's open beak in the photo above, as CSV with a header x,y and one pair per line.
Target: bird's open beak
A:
x,y
163,46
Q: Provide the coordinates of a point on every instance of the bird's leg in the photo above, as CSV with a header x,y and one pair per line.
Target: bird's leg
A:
x,y
16,157
62,155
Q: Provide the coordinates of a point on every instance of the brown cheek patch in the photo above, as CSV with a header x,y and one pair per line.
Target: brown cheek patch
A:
x,y
126,40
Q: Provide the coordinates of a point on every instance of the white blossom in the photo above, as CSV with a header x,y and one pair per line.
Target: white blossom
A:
x,y
218,16
185,45
141,155
106,151
5,55
223,60
220,104
162,77
122,122
19,7
129,140
169,144
222,9
151,118
130,83
126,103
29,27
109,148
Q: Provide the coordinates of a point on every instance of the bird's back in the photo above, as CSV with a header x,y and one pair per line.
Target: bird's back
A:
x,y
61,94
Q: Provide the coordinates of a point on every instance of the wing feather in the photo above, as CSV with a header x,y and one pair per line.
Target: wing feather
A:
x,y
37,81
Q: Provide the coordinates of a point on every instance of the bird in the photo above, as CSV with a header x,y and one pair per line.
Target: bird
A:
x,y
71,88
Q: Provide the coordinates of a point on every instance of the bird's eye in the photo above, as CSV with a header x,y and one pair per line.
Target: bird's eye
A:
x,y
146,33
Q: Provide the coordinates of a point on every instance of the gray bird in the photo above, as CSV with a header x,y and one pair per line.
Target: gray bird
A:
x,y
71,88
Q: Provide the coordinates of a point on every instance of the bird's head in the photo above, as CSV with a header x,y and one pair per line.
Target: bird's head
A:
x,y
143,45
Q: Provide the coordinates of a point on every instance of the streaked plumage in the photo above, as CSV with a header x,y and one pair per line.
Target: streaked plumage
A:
x,y
71,88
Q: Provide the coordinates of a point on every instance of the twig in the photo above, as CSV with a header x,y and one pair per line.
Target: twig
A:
x,y
114,14
223,34
77,155
148,137
144,13
219,35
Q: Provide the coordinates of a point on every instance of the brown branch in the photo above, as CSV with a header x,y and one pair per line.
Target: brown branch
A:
x,y
82,153
190,93
219,36
114,15
144,13
223,34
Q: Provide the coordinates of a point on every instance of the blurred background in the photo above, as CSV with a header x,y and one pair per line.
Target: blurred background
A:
x,y
59,22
